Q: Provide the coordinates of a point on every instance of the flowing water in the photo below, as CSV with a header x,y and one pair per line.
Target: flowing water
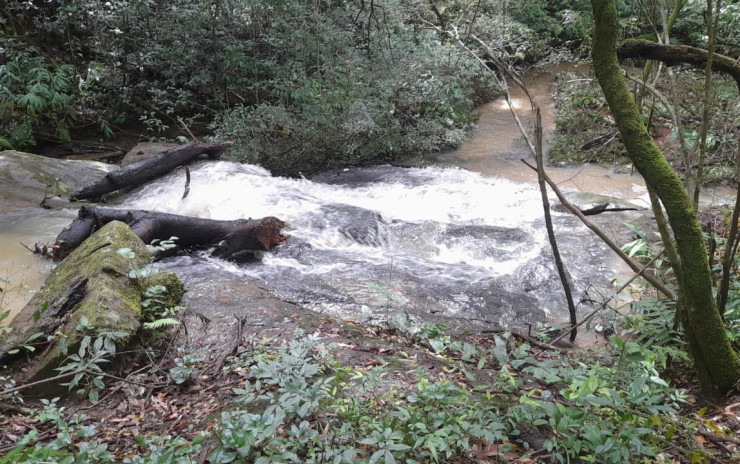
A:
x,y
442,241
463,240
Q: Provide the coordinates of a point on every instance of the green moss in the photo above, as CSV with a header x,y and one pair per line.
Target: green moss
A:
x,y
717,363
175,288
111,302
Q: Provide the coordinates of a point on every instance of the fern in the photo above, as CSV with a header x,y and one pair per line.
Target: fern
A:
x,y
161,323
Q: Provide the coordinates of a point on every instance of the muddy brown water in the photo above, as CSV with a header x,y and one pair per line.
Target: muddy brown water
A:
x,y
498,146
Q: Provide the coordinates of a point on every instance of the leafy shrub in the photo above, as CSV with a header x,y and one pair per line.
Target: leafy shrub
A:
x,y
34,94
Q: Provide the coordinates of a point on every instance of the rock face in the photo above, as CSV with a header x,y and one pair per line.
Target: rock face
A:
x,y
24,176
93,282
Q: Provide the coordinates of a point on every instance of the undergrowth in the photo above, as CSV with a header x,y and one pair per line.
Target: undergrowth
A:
x,y
498,398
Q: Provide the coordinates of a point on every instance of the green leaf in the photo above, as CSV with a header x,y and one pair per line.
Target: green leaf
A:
x,y
127,253
437,345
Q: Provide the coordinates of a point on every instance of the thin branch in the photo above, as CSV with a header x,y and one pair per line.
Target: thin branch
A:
x,y
187,129
121,379
38,382
603,305
609,242
671,111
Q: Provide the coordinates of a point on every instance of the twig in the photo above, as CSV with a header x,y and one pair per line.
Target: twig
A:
x,y
187,129
593,313
121,379
117,387
38,382
526,338
187,183
39,438
14,409
234,345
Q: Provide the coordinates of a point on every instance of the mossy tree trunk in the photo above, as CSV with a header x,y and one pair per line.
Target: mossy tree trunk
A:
x,y
717,363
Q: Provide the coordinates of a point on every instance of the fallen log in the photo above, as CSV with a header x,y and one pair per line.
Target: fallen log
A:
x,y
673,55
228,237
144,171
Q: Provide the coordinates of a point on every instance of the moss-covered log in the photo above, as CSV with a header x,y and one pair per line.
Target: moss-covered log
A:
x,y
229,237
150,169
678,54
717,363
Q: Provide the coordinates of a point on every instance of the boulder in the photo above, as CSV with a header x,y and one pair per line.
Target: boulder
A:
x,y
24,178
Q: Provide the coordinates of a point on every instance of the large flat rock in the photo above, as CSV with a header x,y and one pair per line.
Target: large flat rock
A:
x,y
24,178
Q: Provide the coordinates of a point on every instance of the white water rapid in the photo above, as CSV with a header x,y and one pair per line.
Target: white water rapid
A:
x,y
441,241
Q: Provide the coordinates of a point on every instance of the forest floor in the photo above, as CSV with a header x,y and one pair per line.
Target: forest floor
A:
x,y
146,400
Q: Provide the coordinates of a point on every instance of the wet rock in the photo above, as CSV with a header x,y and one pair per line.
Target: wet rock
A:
x,y
24,178
360,225
218,301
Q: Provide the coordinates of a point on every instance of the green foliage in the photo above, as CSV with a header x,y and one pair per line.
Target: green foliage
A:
x,y
585,133
298,85
139,274
298,405
563,20
160,246
167,450
185,366
157,314
86,363
651,324
588,411
34,93
73,443
691,29
335,98
52,188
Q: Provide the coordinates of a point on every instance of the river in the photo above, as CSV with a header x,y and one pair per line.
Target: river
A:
x,y
461,240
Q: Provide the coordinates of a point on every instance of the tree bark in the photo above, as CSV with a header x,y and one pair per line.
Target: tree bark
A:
x,y
229,237
717,363
150,169
673,55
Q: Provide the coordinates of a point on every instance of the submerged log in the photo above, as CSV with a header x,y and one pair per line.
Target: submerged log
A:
x,y
229,237
150,169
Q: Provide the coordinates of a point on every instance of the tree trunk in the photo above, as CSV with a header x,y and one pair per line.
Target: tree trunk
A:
x,y
717,363
229,237
150,169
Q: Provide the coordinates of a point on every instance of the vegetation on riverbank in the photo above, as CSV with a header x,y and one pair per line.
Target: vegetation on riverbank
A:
x,y
586,132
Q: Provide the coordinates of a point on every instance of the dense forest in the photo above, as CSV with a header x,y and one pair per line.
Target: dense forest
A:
x,y
302,87
299,85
